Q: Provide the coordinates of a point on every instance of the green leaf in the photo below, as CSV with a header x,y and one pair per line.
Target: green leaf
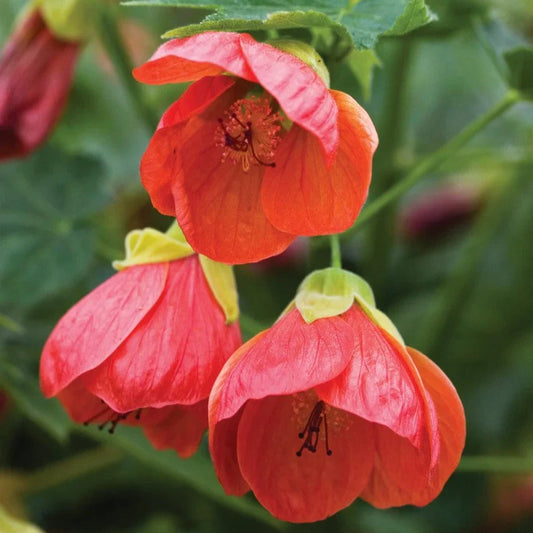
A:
x,y
43,201
25,392
415,15
363,24
520,64
197,472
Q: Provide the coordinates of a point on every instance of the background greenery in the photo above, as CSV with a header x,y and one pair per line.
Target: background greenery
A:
x,y
461,291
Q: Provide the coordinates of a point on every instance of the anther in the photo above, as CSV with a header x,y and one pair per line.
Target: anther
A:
x,y
311,430
249,133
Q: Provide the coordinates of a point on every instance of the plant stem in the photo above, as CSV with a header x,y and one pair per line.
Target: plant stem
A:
x,y
496,464
433,161
71,468
380,240
336,255
114,45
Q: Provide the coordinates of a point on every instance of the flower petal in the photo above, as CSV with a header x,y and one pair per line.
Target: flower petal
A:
x,y
160,164
191,58
290,357
299,90
178,427
322,199
315,485
94,328
403,474
175,353
381,383
218,204
82,406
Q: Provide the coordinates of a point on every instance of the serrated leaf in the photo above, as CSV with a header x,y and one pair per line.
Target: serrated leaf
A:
x,y
363,23
520,64
416,14
43,200
25,392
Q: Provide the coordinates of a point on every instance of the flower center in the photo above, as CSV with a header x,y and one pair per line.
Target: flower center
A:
x,y
111,417
311,431
249,133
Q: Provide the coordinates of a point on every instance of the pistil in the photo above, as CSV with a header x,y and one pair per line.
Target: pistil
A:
x,y
311,431
249,133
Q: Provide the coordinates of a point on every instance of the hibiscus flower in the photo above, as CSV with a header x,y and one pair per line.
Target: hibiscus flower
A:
x,y
154,335
258,150
329,405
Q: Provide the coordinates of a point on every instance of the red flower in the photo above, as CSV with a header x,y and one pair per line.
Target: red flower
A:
x,y
36,70
151,336
249,161
310,416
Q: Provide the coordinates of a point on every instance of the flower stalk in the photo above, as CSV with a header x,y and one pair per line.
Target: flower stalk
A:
x,y
433,161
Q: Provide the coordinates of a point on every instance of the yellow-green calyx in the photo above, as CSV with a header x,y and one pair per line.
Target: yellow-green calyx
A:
x,y
332,291
304,52
8,524
151,246
71,20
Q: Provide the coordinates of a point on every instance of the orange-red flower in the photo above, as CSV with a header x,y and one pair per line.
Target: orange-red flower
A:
x,y
248,161
310,416
36,70
148,343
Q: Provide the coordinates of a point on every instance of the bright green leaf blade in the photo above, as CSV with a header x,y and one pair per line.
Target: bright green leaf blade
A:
x,y
25,392
363,24
197,472
415,15
520,64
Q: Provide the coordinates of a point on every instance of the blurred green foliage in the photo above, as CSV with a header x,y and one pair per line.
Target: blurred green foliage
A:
x,y
462,294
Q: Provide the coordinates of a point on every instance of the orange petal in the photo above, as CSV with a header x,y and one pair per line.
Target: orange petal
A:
x,y
178,427
191,58
302,194
218,204
402,473
312,486
160,162
381,384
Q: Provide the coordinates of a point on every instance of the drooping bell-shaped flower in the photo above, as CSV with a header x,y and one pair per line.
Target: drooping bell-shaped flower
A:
x,y
36,70
329,405
146,345
258,150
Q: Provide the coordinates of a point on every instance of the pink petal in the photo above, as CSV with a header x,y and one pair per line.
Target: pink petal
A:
x,y
96,326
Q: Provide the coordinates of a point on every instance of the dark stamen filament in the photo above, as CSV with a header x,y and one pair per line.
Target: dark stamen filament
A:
x,y
113,418
311,430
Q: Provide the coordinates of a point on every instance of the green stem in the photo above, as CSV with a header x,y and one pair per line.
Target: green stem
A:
x,y
74,467
450,299
114,45
380,240
496,464
336,255
433,161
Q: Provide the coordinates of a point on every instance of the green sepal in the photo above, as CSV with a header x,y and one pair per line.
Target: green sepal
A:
x,y
221,281
8,524
151,246
332,291
71,20
305,53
